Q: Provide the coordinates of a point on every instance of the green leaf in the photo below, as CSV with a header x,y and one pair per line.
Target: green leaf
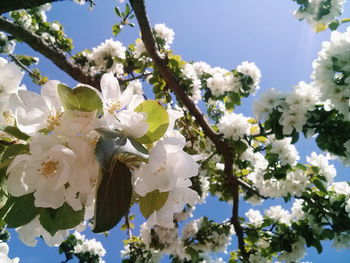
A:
x,y
15,132
81,98
327,234
117,11
113,196
157,120
19,211
62,218
116,28
239,146
320,185
14,150
152,201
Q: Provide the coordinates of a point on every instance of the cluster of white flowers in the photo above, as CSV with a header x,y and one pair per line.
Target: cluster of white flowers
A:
x,y
249,69
294,106
268,101
255,218
6,46
294,183
91,246
4,250
161,32
286,151
169,169
105,57
165,33
322,162
234,126
220,81
61,165
278,214
331,72
320,12
297,103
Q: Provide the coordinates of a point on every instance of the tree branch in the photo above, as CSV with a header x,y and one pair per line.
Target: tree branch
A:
x,y
57,56
223,148
12,5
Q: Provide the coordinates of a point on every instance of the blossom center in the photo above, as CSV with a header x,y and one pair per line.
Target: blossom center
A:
x,y
115,106
49,169
54,120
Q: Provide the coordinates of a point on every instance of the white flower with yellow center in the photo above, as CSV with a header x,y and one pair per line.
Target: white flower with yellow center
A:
x,y
46,171
118,108
35,112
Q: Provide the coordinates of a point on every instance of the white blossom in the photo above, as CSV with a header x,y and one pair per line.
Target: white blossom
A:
x,y
234,126
4,250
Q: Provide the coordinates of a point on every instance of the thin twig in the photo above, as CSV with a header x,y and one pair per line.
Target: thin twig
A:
x,y
24,67
135,78
56,55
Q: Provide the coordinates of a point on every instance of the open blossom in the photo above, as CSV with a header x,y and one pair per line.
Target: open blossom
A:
x,y
168,170
35,112
4,250
29,232
10,80
54,172
118,107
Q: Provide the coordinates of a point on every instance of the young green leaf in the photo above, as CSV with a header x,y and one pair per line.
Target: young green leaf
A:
x,y
82,98
152,201
15,132
62,218
157,120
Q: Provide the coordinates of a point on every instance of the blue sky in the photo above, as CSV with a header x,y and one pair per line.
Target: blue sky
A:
x,y
222,33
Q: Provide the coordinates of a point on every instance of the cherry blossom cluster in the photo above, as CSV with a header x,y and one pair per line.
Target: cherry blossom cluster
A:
x,y
199,237
331,72
319,13
60,166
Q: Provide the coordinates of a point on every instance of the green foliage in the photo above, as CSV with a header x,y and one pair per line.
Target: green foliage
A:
x,y
62,218
15,132
152,201
157,120
19,211
82,98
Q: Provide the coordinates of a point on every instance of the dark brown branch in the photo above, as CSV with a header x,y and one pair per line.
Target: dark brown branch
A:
x,y
161,65
235,209
57,56
12,5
